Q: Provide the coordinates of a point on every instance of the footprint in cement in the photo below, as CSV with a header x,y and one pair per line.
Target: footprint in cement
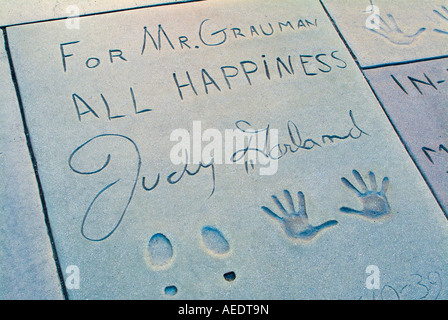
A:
x,y
217,245
159,255
214,241
160,251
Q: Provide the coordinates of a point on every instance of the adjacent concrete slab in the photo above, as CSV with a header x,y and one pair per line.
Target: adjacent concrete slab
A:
x,y
391,31
28,270
415,98
25,11
115,110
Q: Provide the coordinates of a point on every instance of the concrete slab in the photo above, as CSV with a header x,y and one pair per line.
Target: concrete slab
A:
x,y
26,11
132,119
415,98
28,269
382,32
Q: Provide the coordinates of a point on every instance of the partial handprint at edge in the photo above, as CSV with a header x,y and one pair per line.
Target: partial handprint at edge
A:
x,y
444,16
295,223
394,33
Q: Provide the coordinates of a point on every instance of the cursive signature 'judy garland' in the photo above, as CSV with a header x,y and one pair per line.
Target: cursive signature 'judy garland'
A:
x,y
106,211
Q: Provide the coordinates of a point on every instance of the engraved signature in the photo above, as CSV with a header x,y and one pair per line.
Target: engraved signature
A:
x,y
108,207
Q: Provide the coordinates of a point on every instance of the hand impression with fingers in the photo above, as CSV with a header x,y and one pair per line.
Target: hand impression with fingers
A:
x,y
295,223
375,203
